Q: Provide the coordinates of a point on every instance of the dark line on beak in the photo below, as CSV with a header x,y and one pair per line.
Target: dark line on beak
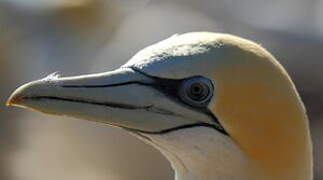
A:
x,y
175,129
105,85
131,107
109,104
169,87
150,108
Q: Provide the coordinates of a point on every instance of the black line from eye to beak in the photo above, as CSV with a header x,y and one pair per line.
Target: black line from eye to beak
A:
x,y
216,126
174,87
169,87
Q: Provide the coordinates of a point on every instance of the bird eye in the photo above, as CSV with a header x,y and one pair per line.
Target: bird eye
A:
x,y
196,91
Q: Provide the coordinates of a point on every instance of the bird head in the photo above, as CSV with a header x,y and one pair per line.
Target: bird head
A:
x,y
221,82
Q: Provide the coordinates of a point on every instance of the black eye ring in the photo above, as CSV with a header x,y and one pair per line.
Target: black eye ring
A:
x,y
196,91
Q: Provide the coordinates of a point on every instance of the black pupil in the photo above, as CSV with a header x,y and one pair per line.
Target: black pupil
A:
x,y
198,91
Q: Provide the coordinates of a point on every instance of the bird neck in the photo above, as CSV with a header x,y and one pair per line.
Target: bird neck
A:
x,y
202,153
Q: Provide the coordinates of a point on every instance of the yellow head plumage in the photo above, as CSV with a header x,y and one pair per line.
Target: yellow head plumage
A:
x,y
259,106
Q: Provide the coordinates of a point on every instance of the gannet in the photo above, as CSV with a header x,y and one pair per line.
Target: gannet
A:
x,y
217,106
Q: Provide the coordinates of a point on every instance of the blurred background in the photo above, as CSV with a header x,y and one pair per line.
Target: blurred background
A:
x,y
39,37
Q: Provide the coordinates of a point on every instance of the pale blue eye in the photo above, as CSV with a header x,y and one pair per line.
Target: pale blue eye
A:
x,y
196,91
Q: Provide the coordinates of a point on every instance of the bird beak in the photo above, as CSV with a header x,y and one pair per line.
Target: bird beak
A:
x,y
123,98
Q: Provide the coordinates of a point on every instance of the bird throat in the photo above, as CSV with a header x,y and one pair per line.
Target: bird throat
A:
x,y
202,153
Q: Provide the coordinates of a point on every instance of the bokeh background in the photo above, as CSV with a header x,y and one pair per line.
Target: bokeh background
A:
x,y
38,37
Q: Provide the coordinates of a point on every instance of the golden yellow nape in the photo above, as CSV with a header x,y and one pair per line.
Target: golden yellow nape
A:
x,y
259,106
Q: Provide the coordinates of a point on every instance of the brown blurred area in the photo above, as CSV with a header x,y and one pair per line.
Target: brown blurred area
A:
x,y
85,36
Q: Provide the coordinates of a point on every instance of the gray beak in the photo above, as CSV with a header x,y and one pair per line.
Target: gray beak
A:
x,y
123,98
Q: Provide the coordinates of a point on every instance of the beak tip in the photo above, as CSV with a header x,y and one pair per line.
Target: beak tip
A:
x,y
8,103
13,100
19,95
16,97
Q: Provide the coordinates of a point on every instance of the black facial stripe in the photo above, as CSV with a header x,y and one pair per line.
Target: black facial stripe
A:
x,y
168,87
131,107
217,124
175,128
